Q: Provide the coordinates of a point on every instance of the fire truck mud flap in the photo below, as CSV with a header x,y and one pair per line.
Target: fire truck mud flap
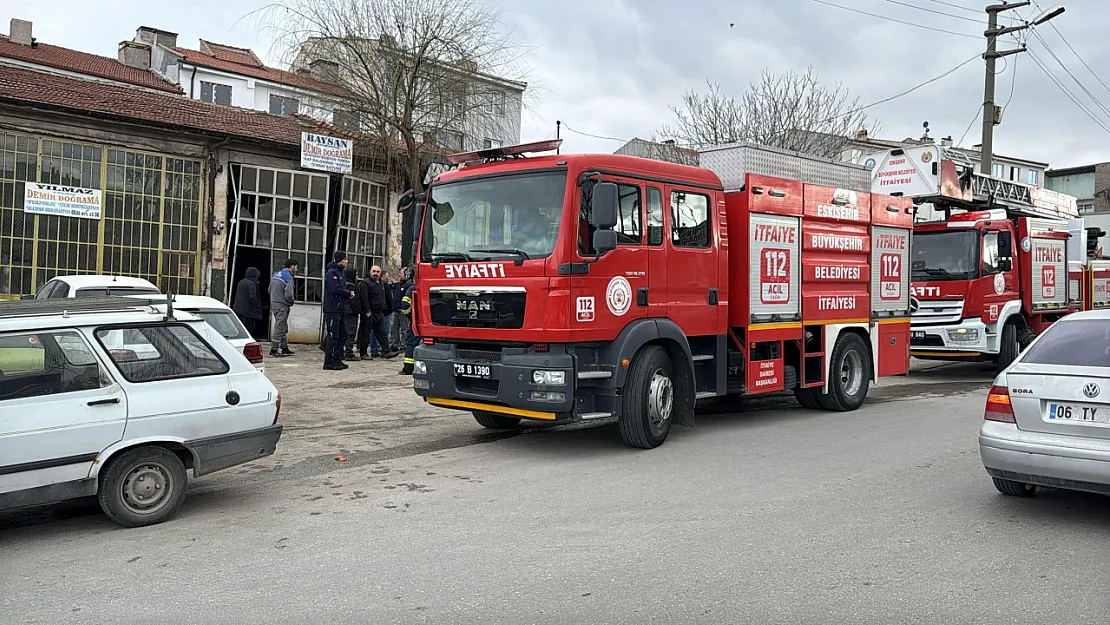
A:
x,y
661,332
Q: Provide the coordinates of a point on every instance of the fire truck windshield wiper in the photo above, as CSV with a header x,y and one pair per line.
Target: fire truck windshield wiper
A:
x,y
450,256
502,250
938,272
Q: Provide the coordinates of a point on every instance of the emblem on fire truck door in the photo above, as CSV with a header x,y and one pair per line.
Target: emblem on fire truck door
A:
x,y
618,295
999,284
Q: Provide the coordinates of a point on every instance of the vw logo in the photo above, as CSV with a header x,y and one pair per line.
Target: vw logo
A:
x,y
1091,390
914,305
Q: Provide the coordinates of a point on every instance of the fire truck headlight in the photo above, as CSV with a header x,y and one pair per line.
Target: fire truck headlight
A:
x,y
551,378
963,335
420,367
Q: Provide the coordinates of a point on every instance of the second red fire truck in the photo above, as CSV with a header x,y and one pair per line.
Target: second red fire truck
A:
x,y
598,287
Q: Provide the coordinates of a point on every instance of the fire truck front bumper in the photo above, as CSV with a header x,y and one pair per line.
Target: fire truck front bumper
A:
x,y
971,339
512,382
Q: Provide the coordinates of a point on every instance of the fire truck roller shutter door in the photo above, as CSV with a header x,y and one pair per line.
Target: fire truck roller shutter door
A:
x,y
661,332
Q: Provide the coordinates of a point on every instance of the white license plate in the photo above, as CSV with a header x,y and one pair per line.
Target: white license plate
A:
x,y
464,370
1079,413
917,334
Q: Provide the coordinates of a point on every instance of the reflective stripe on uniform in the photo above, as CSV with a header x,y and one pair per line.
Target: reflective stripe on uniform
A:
x,y
409,361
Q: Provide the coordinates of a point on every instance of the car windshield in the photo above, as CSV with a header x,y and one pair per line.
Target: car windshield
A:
x,y
494,217
1075,343
945,255
224,322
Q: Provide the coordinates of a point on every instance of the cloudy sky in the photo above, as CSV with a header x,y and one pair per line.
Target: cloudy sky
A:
x,y
612,68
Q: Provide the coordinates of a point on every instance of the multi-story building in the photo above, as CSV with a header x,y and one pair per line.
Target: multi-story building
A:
x,y
1090,184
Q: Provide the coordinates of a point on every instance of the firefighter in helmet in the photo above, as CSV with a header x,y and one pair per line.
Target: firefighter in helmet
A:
x,y
407,307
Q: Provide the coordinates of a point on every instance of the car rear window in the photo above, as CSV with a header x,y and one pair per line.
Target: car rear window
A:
x,y
115,290
150,353
224,322
1078,343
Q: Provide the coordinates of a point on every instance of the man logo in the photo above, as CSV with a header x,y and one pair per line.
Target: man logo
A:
x,y
914,305
1091,390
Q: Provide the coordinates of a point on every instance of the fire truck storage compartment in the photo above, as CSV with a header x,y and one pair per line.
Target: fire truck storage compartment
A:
x,y
770,272
835,249
891,233
894,347
1100,283
766,369
1046,244
1076,290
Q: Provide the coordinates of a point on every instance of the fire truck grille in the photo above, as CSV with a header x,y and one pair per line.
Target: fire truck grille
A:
x,y
935,312
462,308
479,355
487,388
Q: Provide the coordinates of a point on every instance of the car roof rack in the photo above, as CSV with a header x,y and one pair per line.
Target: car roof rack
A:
x,y
66,307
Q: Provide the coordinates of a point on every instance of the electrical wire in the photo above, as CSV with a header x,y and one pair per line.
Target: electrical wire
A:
x,y
955,6
1013,83
891,19
936,12
1066,43
1040,65
908,91
971,123
1087,91
587,134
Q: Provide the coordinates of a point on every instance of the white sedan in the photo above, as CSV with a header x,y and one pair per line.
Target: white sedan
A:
x,y
1047,419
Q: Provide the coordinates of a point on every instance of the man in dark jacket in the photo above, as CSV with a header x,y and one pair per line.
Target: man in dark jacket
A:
x,y
375,307
408,303
248,304
352,315
397,329
336,298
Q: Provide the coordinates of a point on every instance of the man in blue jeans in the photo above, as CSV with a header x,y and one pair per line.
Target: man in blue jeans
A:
x,y
336,300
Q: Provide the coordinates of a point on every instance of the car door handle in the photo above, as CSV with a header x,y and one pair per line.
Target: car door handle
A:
x,y
104,402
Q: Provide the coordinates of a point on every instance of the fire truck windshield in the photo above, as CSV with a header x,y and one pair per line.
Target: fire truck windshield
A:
x,y
945,255
500,216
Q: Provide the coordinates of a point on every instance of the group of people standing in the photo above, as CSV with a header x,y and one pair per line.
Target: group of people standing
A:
x,y
371,313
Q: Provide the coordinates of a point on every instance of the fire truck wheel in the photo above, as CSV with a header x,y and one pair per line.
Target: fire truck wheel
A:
x,y
1008,349
807,397
849,375
648,399
495,421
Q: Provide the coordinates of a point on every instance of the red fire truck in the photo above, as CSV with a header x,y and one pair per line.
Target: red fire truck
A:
x,y
994,261
600,287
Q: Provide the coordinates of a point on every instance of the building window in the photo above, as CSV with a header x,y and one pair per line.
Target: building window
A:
x,y
689,219
362,224
998,170
284,212
281,105
450,140
345,119
1086,208
215,93
497,102
1032,177
1015,173
489,144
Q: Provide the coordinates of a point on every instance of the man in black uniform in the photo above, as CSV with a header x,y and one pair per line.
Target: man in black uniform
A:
x,y
408,305
351,315
336,297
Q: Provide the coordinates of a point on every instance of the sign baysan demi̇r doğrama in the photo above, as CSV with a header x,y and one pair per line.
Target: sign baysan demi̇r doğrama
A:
x,y
325,153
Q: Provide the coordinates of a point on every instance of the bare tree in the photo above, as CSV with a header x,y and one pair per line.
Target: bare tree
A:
x,y
792,111
420,75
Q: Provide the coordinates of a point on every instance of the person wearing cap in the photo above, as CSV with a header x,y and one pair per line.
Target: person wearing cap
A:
x,y
336,297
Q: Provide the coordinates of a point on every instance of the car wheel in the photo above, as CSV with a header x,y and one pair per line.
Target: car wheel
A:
x,y
142,486
849,375
1014,489
648,399
1008,348
495,421
808,397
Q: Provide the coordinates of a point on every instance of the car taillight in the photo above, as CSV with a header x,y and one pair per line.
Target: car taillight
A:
x,y
253,352
998,405
278,411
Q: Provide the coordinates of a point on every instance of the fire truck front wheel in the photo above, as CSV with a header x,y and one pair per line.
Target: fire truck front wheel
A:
x,y
1008,348
495,421
849,374
648,399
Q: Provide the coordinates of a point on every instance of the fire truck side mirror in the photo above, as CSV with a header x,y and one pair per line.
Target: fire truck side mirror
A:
x,y
605,241
603,206
406,201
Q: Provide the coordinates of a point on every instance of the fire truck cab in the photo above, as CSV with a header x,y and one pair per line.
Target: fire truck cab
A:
x,y
598,287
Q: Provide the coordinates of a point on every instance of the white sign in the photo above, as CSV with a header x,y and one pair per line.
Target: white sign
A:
x,y
326,153
585,307
52,199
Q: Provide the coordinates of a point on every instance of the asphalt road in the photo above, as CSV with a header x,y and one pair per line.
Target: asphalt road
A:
x,y
763,513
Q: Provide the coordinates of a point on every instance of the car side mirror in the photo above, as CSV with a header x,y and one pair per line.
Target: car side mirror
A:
x,y
605,241
603,207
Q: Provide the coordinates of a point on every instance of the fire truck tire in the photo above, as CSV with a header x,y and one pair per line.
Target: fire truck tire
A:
x,y
849,375
648,399
495,421
1008,348
807,397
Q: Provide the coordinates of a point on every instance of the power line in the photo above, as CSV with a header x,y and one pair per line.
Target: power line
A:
x,y
978,111
891,19
1013,83
955,6
1066,43
1068,72
586,134
936,12
1040,65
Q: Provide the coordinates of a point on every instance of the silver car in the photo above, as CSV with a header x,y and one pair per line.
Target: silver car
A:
x,y
1047,419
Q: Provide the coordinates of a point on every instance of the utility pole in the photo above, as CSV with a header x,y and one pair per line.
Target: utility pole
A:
x,y
992,114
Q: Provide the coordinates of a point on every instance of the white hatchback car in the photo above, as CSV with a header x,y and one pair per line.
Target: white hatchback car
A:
x,y
1047,418
82,416
95,286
